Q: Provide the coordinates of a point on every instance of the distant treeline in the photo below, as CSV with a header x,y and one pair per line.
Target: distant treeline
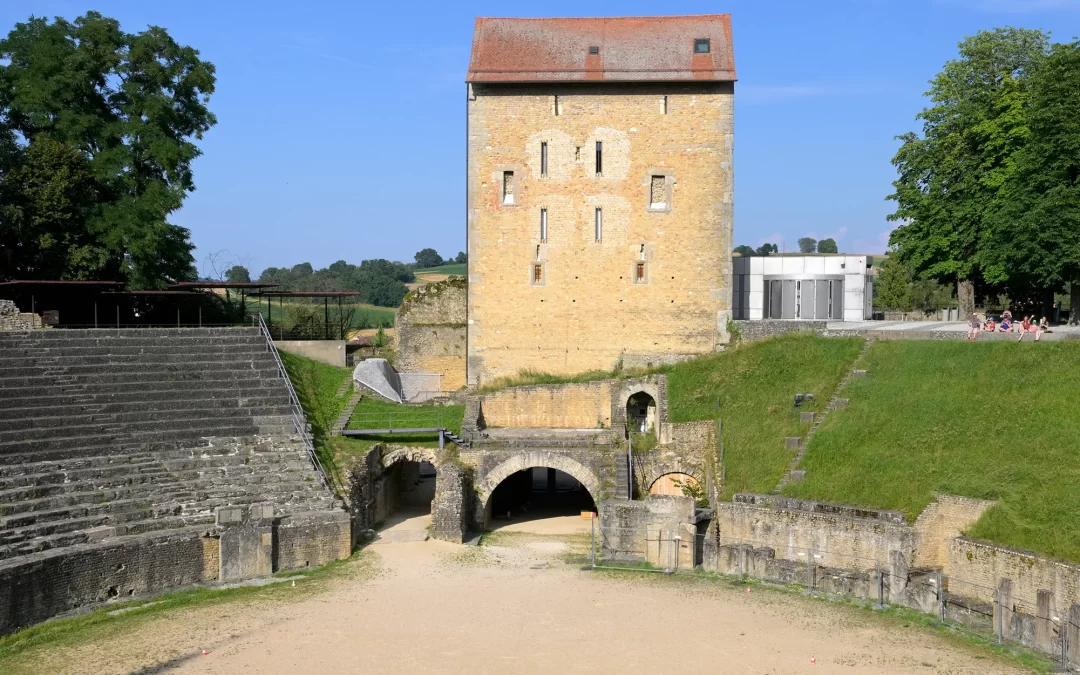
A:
x,y
379,282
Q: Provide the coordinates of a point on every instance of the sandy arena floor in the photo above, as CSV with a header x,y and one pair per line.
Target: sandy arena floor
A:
x,y
518,609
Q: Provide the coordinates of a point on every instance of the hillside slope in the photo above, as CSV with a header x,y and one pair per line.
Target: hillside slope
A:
x,y
755,385
993,421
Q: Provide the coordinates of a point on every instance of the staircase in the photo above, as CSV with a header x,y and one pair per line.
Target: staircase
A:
x,y
835,402
350,406
111,433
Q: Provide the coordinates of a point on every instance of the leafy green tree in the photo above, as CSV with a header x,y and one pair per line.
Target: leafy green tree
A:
x,y
461,258
394,270
892,288
127,107
238,274
950,175
766,249
1033,240
827,246
807,245
428,257
744,250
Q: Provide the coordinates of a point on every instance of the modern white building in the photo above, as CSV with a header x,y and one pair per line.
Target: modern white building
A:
x,y
797,286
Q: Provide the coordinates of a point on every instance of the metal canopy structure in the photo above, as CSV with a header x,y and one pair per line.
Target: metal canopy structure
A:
x,y
325,295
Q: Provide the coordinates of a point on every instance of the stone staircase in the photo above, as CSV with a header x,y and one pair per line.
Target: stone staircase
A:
x,y
110,433
350,406
836,402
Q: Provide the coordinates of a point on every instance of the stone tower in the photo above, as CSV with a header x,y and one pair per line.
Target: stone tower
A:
x,y
599,192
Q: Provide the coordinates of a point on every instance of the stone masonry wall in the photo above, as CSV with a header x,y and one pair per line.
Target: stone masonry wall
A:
x,y
752,331
940,522
587,310
842,540
39,586
431,328
983,565
12,319
562,406
311,540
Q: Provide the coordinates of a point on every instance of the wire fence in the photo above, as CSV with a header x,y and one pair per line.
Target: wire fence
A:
x,y
996,614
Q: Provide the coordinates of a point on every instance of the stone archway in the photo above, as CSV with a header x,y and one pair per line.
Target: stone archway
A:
x,y
672,482
531,460
410,455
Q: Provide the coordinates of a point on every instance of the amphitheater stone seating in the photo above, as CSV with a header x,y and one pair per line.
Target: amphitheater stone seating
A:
x,y
118,446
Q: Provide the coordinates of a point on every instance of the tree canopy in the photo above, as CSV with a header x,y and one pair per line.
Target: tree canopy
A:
x,y
744,250
428,257
807,245
379,282
949,177
96,145
827,246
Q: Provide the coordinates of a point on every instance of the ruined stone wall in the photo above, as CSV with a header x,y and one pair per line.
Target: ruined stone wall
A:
x,y
563,406
12,319
839,535
983,565
430,327
39,586
752,331
311,540
942,520
587,309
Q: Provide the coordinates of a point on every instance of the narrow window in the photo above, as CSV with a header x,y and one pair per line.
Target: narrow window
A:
x,y
658,192
701,46
577,154
555,105
538,273
639,272
599,225
599,157
594,50
543,226
538,251
663,105
642,253
543,158
508,187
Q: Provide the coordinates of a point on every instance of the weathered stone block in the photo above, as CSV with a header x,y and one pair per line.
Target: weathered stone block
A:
x,y
792,442
806,417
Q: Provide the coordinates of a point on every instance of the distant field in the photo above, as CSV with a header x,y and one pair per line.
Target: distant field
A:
x,y
453,269
364,316
989,420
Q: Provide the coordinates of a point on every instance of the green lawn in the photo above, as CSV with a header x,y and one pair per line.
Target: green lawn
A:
x,y
452,268
990,420
371,412
756,385
316,386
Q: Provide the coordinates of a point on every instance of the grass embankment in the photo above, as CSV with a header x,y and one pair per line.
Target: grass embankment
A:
x,y
756,386
317,385
991,420
33,649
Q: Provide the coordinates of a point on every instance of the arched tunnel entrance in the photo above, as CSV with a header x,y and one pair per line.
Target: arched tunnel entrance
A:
x,y
541,500
640,413
405,488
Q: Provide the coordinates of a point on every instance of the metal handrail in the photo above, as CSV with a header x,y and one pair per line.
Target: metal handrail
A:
x,y
299,419
385,420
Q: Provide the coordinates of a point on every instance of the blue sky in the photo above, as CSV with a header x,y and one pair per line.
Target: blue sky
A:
x,y
341,125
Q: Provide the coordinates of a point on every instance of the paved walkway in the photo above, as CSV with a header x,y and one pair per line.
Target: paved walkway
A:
x,y
898,328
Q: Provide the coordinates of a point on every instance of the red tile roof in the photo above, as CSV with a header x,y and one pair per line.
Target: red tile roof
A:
x,y
632,49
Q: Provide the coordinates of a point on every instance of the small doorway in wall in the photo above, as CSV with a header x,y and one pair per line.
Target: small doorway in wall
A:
x,y
641,413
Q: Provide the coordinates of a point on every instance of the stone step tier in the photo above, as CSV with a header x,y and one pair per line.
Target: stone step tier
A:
x,y
110,433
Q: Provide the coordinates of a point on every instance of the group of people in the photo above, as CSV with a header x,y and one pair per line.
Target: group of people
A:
x,y
991,325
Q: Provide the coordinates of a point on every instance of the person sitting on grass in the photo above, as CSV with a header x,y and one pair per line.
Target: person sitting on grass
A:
x,y
973,327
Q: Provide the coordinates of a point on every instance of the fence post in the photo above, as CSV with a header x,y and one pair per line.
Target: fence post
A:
x,y
940,597
997,614
881,588
592,540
